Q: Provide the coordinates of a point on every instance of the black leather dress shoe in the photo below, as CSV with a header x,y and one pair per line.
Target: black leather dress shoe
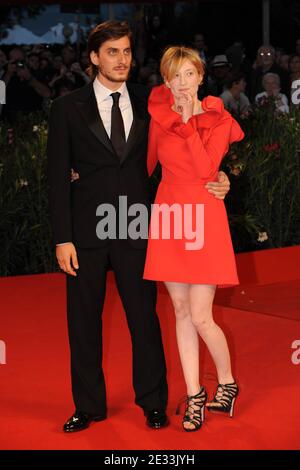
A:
x,y
80,421
156,419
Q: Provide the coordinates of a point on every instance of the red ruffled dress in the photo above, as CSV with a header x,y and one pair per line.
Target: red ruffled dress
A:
x,y
197,250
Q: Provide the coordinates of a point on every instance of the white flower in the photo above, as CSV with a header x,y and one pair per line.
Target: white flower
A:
x,y
35,128
262,236
23,182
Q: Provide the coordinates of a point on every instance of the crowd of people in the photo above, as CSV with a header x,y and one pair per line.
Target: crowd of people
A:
x,y
36,74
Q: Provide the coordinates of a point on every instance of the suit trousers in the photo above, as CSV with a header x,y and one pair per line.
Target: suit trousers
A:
x,y
85,299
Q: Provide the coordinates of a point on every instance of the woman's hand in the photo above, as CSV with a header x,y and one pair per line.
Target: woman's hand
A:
x,y
184,105
219,188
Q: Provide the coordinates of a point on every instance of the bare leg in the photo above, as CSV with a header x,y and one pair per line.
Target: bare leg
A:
x,y
201,299
187,338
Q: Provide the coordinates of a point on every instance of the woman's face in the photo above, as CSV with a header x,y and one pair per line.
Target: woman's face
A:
x,y
185,81
295,64
271,85
242,85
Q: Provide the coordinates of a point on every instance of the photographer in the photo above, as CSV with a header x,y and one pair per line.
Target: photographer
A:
x,y
24,91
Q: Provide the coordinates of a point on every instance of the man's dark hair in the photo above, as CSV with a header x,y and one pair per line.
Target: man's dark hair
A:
x,y
33,54
233,78
63,82
104,32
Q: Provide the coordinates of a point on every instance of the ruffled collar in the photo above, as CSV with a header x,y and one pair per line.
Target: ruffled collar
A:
x,y
161,100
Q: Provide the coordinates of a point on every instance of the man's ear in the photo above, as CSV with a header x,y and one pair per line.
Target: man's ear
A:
x,y
94,58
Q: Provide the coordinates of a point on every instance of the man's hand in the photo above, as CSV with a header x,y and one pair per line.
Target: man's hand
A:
x,y
219,189
65,254
24,73
74,175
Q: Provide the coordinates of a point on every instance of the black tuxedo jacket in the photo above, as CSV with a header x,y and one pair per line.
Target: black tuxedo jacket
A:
x,y
77,139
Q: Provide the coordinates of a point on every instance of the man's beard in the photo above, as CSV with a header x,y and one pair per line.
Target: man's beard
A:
x,y
109,77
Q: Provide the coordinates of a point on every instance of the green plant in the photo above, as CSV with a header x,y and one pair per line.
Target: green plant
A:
x,y
25,234
268,163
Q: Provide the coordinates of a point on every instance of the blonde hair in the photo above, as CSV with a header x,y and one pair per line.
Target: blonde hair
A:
x,y
174,57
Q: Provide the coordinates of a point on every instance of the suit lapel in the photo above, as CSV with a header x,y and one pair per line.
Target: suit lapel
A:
x,y
89,110
87,105
138,124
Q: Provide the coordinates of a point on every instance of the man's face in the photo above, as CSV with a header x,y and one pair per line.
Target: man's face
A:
x,y
68,55
220,71
57,62
266,56
16,55
156,21
33,62
114,60
199,41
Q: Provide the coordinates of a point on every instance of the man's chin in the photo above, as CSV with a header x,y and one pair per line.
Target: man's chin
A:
x,y
119,77
122,78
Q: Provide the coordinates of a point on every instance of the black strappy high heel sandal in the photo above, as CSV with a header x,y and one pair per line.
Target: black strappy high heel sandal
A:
x,y
224,398
192,415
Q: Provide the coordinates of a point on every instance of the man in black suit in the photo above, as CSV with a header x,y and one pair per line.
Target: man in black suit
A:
x,y
101,132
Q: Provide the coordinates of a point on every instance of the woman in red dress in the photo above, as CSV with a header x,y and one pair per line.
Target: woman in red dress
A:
x,y
189,246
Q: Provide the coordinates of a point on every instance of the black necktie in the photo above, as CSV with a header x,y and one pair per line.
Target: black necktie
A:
x,y
117,135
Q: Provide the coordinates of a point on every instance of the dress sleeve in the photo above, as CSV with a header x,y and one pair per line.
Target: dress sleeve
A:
x,y
236,133
208,156
152,149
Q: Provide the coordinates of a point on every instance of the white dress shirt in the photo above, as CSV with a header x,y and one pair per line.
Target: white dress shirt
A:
x,y
105,102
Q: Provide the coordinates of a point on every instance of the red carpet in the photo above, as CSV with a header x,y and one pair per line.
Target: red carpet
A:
x,y
280,299
35,397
